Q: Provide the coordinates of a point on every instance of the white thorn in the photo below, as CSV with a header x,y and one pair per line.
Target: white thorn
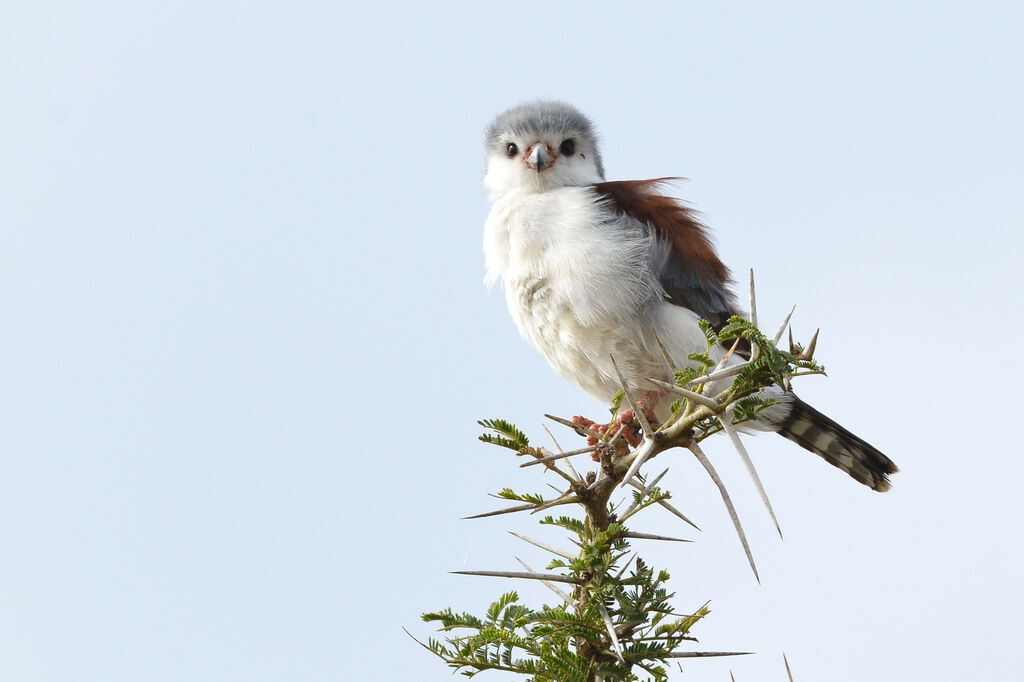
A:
x,y
664,353
532,575
550,586
785,323
564,499
637,412
633,482
625,566
652,536
689,395
611,632
734,436
538,543
809,351
703,459
646,489
753,300
572,471
721,374
645,450
727,356
560,455
705,654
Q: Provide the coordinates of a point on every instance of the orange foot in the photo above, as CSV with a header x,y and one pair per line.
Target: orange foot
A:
x,y
624,421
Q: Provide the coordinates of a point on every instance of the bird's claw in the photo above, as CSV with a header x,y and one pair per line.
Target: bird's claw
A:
x,y
625,421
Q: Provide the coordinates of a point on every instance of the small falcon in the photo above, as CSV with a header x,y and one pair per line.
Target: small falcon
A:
x,y
590,267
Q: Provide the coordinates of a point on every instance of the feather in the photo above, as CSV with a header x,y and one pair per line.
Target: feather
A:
x,y
691,273
813,431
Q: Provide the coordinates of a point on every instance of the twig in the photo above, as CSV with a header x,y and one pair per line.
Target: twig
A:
x,y
615,437
648,668
567,498
662,638
564,499
416,640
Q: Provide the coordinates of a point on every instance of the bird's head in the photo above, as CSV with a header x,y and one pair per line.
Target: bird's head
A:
x,y
540,146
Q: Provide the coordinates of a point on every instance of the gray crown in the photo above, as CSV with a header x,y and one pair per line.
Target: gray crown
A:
x,y
543,117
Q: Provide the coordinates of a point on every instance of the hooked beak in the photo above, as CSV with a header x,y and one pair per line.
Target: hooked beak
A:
x,y
539,157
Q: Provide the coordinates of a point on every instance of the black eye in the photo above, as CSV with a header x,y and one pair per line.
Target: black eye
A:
x,y
511,149
568,147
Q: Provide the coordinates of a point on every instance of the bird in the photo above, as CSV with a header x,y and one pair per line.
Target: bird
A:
x,y
594,270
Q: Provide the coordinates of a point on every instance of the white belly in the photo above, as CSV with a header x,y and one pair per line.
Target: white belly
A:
x,y
580,352
581,291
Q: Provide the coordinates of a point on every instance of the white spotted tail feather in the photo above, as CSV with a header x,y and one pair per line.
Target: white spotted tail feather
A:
x,y
816,432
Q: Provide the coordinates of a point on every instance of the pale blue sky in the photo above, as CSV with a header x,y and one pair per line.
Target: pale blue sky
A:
x,y
244,337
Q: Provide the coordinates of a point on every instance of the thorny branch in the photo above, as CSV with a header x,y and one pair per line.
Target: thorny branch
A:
x,y
612,622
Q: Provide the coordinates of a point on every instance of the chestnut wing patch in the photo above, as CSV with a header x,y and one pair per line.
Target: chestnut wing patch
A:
x,y
692,274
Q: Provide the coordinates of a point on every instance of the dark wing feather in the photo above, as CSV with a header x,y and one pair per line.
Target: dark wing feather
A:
x,y
692,274
693,277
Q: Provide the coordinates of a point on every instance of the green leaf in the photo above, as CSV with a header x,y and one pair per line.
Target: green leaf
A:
x,y
509,434
617,402
709,333
509,494
702,358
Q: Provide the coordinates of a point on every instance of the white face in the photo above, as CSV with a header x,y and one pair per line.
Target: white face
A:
x,y
538,163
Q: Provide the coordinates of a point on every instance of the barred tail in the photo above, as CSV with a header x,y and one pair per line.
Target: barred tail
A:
x,y
813,431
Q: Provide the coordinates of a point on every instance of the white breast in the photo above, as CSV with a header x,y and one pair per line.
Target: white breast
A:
x,y
580,288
